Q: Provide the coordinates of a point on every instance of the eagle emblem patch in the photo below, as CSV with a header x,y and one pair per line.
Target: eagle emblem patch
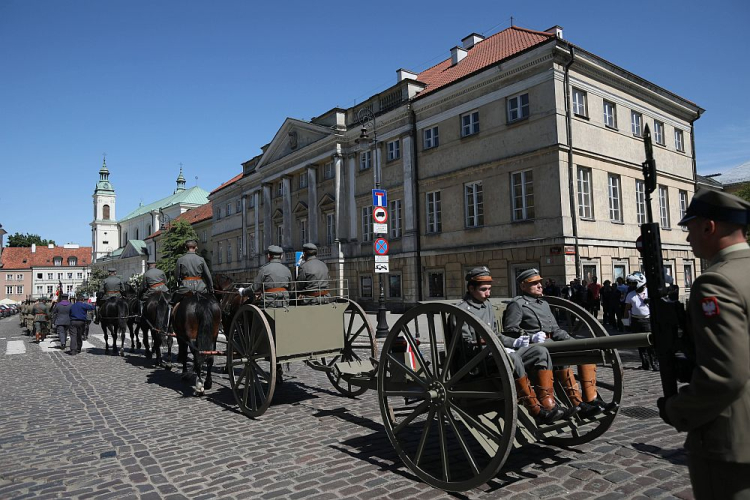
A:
x,y
710,307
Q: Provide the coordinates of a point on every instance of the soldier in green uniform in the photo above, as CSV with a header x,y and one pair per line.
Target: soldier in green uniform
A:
x,y
539,400
111,286
714,408
41,318
312,279
192,273
154,280
273,282
529,314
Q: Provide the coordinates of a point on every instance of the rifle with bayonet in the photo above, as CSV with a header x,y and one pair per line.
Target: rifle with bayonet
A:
x,y
667,313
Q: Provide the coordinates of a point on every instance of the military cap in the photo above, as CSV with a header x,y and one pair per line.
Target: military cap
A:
x,y
111,270
718,206
275,250
479,274
528,276
63,296
309,246
151,261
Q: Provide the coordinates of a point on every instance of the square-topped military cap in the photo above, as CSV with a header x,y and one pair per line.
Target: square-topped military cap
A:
x,y
309,246
717,206
111,270
479,274
275,250
151,261
528,276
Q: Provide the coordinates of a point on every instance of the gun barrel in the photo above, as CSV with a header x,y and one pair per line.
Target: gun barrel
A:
x,y
626,341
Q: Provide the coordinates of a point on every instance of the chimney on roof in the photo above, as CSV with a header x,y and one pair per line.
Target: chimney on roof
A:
x,y
404,74
471,40
556,30
51,245
457,53
33,248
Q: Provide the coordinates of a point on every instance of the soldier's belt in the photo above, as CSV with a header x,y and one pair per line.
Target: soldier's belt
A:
x,y
272,290
315,294
113,291
157,284
191,278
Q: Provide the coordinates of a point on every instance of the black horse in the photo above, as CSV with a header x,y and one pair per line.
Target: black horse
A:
x,y
155,319
113,316
134,317
196,321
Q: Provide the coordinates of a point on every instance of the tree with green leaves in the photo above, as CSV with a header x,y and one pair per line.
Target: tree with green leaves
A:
x,y
26,240
744,193
173,247
90,287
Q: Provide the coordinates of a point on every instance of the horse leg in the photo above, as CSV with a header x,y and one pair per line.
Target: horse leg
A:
x,y
209,367
122,341
198,388
182,355
132,338
146,344
169,340
105,328
137,336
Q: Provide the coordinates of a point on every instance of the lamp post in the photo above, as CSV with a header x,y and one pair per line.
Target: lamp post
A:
x,y
367,119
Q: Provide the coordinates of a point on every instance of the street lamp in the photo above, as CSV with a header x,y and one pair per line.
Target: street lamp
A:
x,y
366,119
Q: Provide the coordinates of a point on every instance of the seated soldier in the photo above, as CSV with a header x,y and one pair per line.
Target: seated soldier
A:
x,y
192,273
312,278
274,280
539,401
112,286
154,280
529,314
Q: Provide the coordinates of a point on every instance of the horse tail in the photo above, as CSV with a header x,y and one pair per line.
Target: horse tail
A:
x,y
122,314
162,312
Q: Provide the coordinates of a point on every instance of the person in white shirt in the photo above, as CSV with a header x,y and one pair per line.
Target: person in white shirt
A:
x,y
638,316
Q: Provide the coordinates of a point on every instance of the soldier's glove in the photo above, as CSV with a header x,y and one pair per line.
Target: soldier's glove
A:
x,y
661,403
240,290
521,341
538,338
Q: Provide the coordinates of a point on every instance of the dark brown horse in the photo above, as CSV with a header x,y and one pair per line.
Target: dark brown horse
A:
x,y
196,322
155,319
113,317
229,299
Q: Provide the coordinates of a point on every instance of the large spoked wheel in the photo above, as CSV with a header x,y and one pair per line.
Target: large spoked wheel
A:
x,y
449,407
580,324
251,360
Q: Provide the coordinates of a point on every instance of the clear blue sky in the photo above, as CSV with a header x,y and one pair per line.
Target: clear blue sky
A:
x,y
158,83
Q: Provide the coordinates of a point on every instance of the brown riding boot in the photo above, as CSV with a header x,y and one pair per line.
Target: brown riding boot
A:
x,y
527,397
546,393
587,376
568,380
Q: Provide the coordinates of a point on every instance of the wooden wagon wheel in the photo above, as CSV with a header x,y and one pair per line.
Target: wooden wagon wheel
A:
x,y
359,345
580,324
251,360
449,408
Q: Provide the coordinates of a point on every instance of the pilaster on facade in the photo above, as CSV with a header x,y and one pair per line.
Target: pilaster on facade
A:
x,y
351,234
338,175
312,203
267,216
287,211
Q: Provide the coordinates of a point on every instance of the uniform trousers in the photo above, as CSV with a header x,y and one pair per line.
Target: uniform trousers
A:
x,y
62,333
718,480
77,330
535,356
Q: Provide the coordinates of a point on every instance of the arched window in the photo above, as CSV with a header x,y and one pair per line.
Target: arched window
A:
x,y
105,212
125,241
136,234
72,261
149,229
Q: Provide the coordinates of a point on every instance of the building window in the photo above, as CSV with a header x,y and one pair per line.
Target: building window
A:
x,y
57,261
49,290
659,132
229,210
9,290
365,160
610,114
365,286
473,204
395,218
280,235
238,206
50,276
149,229
8,277
330,228
518,107
19,289
220,252
579,103
39,289
79,276
68,289
38,276
218,213
435,284
394,286
72,261
679,144
585,207
280,189
470,124
664,207
636,123
59,276
19,277
302,182
239,248
683,206
523,195
688,268
204,236
105,210
303,231
619,270
70,276
367,223
434,219
328,170
394,150
229,252
431,139
615,196
251,201
640,201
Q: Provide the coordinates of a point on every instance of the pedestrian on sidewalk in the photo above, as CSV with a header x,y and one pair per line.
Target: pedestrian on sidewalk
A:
x,y
78,323
61,319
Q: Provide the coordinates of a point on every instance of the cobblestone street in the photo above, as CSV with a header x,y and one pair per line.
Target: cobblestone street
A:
x,y
98,426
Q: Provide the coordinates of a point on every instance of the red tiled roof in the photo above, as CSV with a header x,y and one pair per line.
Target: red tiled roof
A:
x,y
228,183
499,46
193,216
22,258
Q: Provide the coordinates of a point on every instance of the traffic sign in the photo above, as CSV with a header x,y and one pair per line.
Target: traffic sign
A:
x,y
380,228
379,198
381,267
381,246
380,215
381,258
639,244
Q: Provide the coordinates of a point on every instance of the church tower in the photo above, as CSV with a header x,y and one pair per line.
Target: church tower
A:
x,y
105,234
180,182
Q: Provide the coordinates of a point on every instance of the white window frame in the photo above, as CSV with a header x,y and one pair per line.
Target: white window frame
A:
x,y
280,235
584,189
19,277
614,186
367,234
9,277
50,276
229,211
640,201
328,172
362,279
394,149
610,114
59,276
580,103
636,123
330,228
302,181
659,132
516,108
683,205
473,204
470,123
303,230
57,261
688,264
39,289
220,252
400,286
430,138
204,236
8,289
395,218
239,248
664,206
49,289
679,140
620,263
79,276
433,212
279,190
229,251
70,276
428,274
238,206
365,160
522,194
251,201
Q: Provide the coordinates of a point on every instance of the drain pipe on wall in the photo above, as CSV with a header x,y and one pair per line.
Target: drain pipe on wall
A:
x,y
417,202
692,145
571,182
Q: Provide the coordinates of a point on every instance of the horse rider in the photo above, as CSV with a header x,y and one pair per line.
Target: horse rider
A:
x,y
41,317
112,286
529,314
312,278
274,280
192,273
154,280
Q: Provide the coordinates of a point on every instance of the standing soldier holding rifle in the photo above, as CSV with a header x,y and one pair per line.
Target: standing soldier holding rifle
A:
x,y
714,408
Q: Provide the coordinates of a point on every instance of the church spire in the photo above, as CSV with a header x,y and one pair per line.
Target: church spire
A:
x,y
180,181
104,185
